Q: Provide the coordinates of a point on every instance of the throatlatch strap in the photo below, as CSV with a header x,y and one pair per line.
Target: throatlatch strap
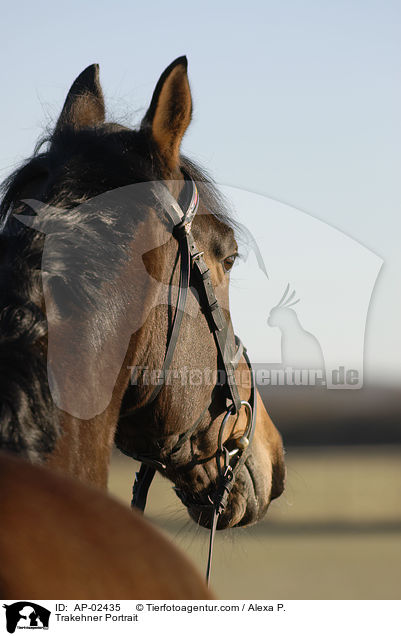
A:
x,y
142,482
185,274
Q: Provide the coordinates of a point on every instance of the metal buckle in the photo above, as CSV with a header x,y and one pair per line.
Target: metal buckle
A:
x,y
222,451
197,256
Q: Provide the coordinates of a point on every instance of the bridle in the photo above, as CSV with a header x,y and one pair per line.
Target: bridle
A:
x,y
229,462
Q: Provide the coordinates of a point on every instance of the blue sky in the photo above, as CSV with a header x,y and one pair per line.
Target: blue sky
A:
x,y
297,100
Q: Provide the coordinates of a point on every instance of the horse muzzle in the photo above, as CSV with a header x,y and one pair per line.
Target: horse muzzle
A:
x,y
246,504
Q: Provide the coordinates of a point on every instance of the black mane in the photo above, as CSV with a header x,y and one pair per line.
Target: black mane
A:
x,y
77,166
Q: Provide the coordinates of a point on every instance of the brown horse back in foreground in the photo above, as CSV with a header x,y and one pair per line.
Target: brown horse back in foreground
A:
x,y
81,543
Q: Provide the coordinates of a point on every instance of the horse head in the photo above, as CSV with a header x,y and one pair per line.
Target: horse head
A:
x,y
104,261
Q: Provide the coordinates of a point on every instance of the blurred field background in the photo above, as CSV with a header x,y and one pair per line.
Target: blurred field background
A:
x,y
336,532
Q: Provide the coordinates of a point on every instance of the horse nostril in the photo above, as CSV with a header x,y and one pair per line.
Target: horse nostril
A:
x,y
278,482
276,491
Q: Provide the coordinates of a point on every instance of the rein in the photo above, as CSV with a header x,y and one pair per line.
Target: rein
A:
x,y
228,462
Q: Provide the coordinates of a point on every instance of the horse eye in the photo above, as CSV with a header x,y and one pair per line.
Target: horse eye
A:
x,y
229,262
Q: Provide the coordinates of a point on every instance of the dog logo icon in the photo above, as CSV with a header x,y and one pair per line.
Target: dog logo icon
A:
x,y
26,615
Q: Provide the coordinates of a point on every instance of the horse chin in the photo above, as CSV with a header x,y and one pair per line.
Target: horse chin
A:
x,y
233,515
247,504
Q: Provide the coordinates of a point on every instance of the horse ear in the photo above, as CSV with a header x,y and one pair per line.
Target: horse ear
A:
x,y
170,111
84,105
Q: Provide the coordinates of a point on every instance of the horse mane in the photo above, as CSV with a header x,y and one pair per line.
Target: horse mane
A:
x,y
28,423
28,418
